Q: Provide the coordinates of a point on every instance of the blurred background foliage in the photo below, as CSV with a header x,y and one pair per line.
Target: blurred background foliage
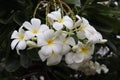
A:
x,y
104,17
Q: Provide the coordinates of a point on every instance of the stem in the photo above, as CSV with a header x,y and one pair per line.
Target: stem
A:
x,y
61,7
55,5
47,11
37,7
72,13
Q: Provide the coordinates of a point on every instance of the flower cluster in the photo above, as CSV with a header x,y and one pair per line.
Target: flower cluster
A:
x,y
63,37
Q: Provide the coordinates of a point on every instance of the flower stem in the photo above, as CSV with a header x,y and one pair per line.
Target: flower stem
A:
x,y
55,5
61,6
47,11
72,13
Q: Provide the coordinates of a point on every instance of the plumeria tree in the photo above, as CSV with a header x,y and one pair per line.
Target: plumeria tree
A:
x,y
60,40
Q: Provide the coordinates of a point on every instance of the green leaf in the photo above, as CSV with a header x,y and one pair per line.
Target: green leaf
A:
x,y
12,65
33,54
112,46
25,61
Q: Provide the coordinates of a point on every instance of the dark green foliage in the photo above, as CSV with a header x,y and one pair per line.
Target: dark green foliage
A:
x,y
16,67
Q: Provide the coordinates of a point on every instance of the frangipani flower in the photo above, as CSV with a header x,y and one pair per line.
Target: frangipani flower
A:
x,y
19,39
58,40
98,68
103,51
82,52
88,31
89,67
34,28
94,36
51,47
59,21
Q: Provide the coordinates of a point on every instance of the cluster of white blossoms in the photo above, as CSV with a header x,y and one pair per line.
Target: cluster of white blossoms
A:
x,y
62,38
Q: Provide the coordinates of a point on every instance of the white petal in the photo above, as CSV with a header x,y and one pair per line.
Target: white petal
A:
x,y
77,58
54,60
77,24
41,40
85,21
55,15
81,35
70,41
42,57
29,35
27,25
74,66
21,31
94,36
67,18
68,22
52,17
21,45
104,68
66,49
69,58
51,21
43,28
58,33
18,52
36,22
77,16
49,34
98,70
57,26
15,34
57,48
58,41
46,50
14,43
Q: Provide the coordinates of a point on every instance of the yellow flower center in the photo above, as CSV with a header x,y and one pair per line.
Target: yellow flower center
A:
x,y
52,54
84,50
21,37
64,41
82,27
35,31
49,42
60,20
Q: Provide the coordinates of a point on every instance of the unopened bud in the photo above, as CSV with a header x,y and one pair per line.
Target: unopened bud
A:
x,y
31,44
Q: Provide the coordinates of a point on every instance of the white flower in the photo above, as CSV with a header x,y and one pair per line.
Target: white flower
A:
x,y
34,28
98,68
83,52
103,51
67,42
59,21
88,31
51,47
94,36
19,39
